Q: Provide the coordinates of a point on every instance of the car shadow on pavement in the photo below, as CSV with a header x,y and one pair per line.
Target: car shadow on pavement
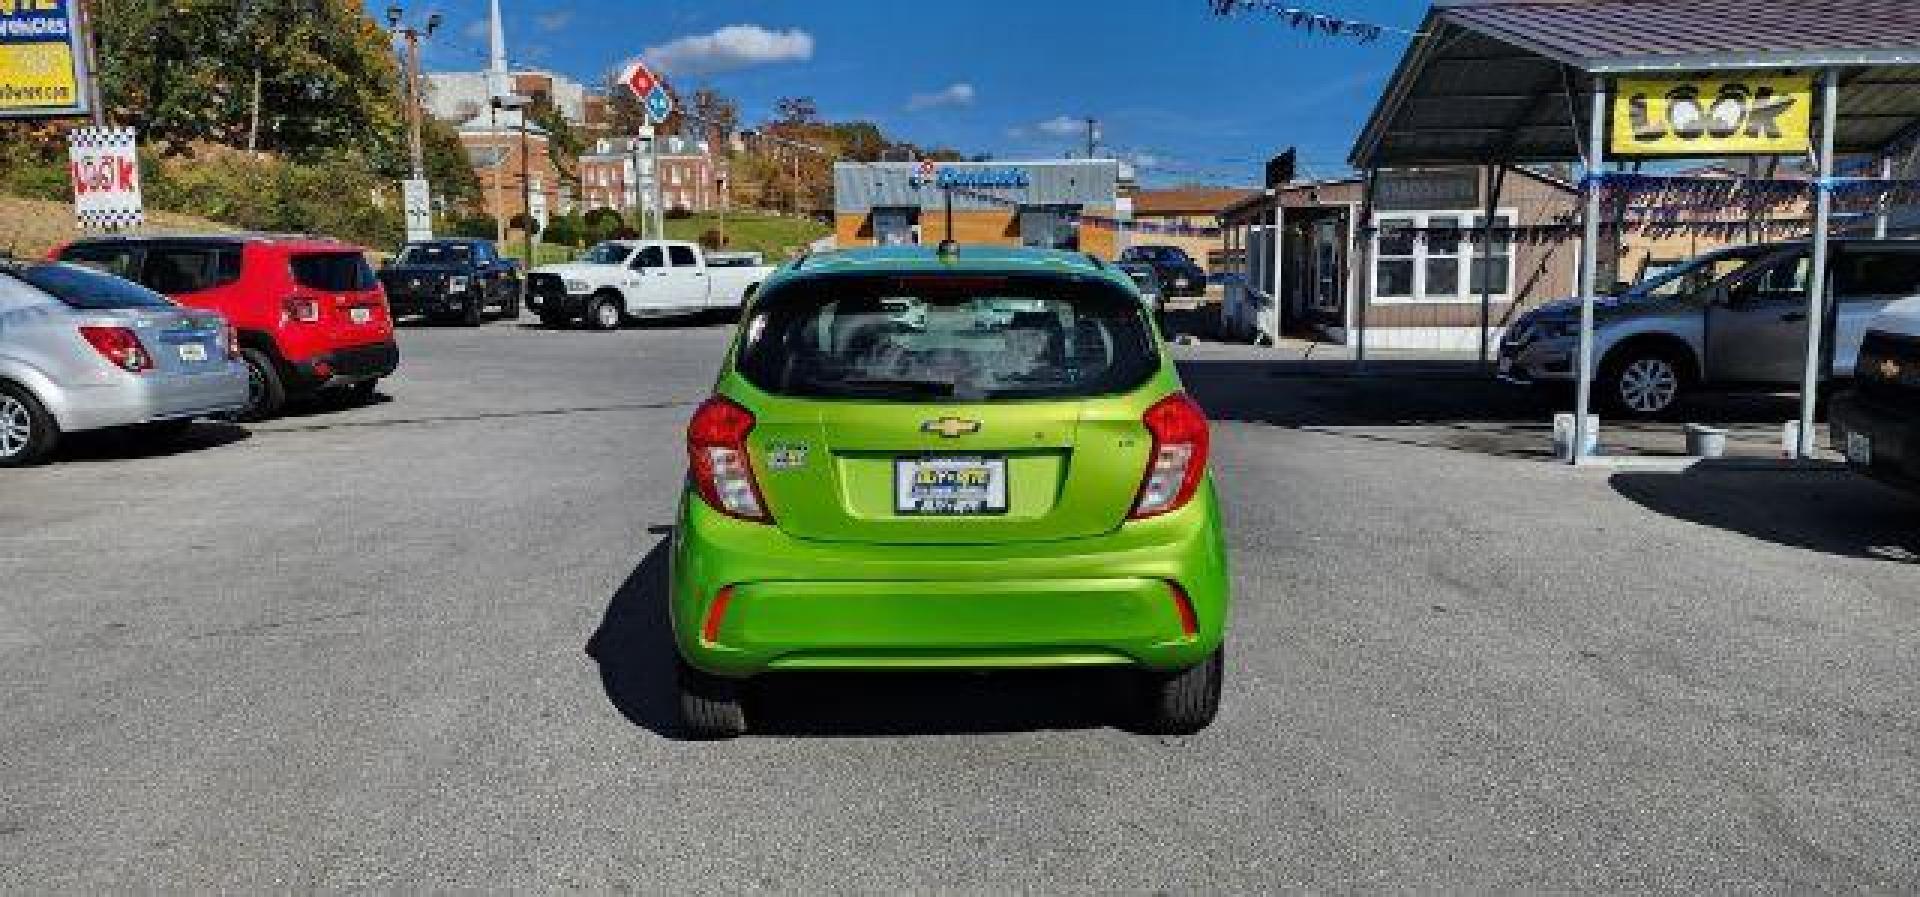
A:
x,y
1451,405
128,444
1826,509
634,648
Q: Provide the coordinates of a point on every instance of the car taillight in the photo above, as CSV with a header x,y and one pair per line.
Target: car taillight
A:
x,y
306,311
717,456
120,346
233,343
1178,459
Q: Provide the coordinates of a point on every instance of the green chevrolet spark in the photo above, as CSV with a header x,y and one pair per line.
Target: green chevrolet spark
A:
x,y
972,459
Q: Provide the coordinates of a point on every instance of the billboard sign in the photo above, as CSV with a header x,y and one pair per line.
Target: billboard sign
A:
x,y
42,64
1730,115
105,168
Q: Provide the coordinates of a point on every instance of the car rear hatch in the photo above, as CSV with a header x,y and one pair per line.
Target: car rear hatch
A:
x,y
979,410
179,340
346,296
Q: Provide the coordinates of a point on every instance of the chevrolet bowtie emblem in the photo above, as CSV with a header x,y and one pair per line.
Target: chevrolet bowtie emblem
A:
x,y
1890,369
951,427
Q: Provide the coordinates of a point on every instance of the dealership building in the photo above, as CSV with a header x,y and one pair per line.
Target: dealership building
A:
x,y
1038,203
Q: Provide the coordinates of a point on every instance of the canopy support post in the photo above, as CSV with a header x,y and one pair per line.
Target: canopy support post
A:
x,y
1367,246
1589,268
1817,277
1496,177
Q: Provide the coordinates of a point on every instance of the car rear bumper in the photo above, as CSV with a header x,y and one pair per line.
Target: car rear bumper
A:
x,y
797,605
1892,438
349,365
148,398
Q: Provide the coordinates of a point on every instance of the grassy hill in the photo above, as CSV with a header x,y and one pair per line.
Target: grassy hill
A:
x,y
777,237
31,227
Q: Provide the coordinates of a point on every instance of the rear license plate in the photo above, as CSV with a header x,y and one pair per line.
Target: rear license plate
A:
x,y
360,314
950,486
193,351
1860,448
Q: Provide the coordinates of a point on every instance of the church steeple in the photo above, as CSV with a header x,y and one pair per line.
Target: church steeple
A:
x,y
498,84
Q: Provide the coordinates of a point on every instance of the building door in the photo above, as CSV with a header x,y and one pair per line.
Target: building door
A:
x,y
893,226
1049,227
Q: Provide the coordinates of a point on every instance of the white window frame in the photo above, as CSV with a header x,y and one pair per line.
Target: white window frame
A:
x,y
1468,255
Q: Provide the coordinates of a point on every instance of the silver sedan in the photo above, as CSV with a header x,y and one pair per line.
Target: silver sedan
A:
x,y
84,350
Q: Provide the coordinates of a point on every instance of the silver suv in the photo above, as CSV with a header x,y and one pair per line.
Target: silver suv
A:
x,y
1733,318
82,350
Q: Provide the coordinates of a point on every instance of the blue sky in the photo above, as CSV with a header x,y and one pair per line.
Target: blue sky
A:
x,y
1195,98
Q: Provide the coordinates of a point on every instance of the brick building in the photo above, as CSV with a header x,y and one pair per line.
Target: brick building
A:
x,y
611,176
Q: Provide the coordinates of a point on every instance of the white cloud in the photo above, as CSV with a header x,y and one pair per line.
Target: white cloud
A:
x,y
730,48
959,94
554,21
1062,126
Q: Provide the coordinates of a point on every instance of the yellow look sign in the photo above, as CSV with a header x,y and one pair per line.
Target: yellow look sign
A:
x,y
1734,115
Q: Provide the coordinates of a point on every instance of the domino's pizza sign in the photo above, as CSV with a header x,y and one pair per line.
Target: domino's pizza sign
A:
x,y
105,167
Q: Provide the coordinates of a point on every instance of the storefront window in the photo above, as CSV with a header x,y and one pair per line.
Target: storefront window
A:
x,y
1435,257
1049,227
893,226
1394,274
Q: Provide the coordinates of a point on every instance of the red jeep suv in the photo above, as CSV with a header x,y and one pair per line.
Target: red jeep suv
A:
x,y
310,313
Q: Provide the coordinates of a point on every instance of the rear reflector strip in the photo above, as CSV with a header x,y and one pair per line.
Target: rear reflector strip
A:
x,y
717,611
1189,623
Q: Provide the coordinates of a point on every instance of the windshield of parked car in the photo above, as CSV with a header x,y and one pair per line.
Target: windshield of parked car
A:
x,y
87,289
607,254
946,336
1687,279
436,254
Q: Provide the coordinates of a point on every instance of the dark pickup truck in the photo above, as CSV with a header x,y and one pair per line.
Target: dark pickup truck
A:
x,y
452,280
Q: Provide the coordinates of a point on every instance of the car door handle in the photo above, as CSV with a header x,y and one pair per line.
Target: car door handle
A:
x,y
1794,316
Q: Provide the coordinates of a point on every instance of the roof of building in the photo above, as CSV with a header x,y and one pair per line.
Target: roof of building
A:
x,y
1493,80
1188,200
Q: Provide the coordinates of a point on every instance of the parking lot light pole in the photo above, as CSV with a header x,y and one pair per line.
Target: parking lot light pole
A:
x,y
1589,268
1817,278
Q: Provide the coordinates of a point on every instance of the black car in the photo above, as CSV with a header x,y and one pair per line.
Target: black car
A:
x,y
1877,423
452,280
1178,273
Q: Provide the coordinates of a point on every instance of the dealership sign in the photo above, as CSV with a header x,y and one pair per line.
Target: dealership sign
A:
x,y
981,178
1718,116
40,59
105,168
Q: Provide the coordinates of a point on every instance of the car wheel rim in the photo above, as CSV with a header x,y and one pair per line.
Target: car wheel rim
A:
x,y
609,316
1649,385
16,427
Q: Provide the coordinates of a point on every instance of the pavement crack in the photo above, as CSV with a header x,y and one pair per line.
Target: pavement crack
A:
x,y
277,624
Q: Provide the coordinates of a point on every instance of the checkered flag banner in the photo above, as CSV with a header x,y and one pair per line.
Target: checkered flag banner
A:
x,y
106,178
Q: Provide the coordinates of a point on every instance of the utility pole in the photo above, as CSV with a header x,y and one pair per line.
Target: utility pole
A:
x,y
95,105
1093,134
411,67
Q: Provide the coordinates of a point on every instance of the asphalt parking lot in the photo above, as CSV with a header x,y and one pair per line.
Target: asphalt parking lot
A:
x,y
418,644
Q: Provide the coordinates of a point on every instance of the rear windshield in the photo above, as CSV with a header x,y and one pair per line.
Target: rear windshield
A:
x,y
87,289
435,254
947,336
336,272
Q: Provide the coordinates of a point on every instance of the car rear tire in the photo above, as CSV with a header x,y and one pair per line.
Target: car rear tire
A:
x,y
27,432
709,705
1182,702
1643,383
510,309
266,391
603,313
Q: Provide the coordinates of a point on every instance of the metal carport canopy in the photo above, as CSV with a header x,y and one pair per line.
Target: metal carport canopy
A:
x,y
1505,80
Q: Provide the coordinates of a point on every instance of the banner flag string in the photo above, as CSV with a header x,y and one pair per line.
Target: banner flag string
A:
x,y
1308,20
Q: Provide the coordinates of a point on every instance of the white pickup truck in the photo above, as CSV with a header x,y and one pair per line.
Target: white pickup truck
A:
x,y
622,279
